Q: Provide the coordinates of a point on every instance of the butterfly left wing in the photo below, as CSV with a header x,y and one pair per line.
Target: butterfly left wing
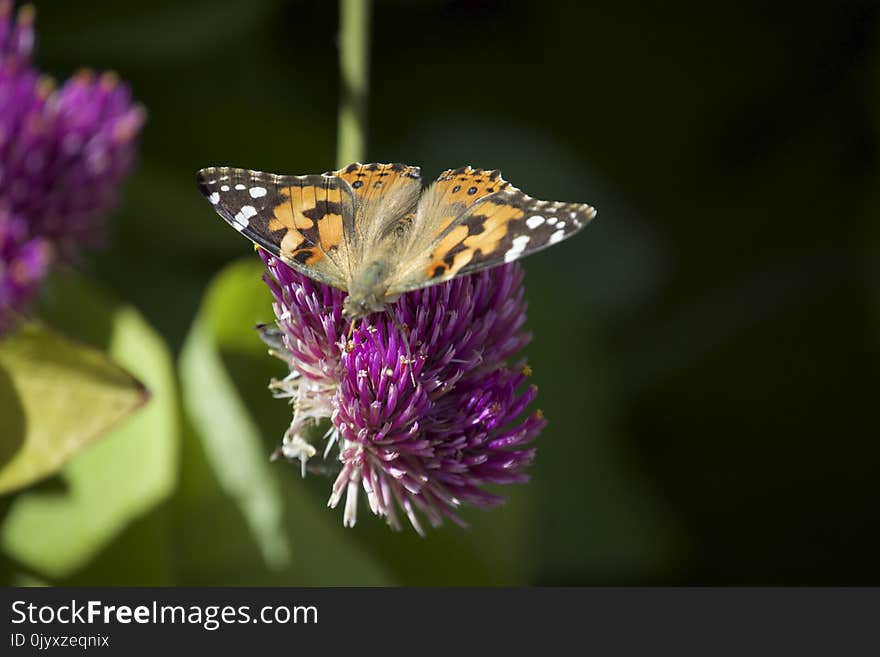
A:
x,y
299,219
472,219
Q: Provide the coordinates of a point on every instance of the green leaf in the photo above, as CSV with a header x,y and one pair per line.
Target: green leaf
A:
x,y
55,530
56,398
224,371
232,443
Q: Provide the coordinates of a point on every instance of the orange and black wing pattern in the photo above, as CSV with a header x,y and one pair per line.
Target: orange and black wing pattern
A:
x,y
299,219
473,219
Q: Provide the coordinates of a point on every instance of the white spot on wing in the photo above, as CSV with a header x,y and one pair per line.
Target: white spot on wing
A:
x,y
214,198
515,251
555,237
224,188
551,220
242,216
257,192
239,187
534,222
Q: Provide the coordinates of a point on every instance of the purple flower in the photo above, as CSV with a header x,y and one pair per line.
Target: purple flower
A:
x,y
16,37
23,264
84,155
63,152
423,449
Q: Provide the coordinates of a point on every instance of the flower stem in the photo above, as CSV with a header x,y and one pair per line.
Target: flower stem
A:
x,y
354,63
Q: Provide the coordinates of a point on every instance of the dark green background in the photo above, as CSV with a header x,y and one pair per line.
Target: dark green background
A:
x,y
705,351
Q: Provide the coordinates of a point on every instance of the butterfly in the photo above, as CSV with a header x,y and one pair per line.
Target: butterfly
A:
x,y
373,232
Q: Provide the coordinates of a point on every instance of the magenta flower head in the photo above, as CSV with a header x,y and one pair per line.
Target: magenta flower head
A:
x,y
16,33
63,153
23,264
425,401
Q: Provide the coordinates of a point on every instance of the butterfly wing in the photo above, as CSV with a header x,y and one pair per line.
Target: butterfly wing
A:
x,y
472,219
385,197
299,219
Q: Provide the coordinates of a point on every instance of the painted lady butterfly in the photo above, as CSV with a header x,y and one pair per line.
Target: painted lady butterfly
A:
x,y
370,230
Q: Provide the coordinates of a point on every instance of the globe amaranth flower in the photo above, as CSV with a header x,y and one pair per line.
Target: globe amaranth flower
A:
x,y
23,264
63,155
425,407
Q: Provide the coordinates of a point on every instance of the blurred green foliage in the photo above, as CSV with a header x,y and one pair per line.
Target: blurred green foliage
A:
x,y
55,528
705,351
57,398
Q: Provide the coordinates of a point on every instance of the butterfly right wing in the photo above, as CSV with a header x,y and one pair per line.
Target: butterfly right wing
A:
x,y
472,219
299,219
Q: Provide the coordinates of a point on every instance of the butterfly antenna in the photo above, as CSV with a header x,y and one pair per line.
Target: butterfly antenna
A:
x,y
409,359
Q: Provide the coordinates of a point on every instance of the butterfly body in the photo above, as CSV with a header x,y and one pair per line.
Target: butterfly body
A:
x,y
368,291
370,229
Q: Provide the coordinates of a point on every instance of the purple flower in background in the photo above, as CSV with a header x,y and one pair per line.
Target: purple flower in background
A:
x,y
16,37
63,155
23,264
428,448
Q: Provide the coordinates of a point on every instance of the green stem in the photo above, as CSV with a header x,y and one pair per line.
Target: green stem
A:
x,y
354,64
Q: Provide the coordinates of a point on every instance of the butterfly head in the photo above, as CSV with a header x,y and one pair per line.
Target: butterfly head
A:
x,y
357,306
368,291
